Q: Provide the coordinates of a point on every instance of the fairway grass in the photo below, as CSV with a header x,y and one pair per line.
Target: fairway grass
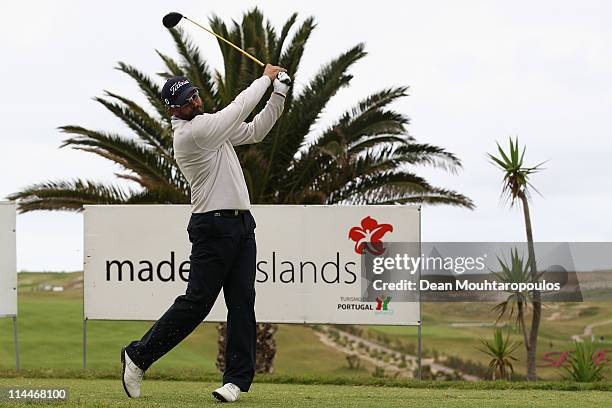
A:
x,y
50,334
109,393
50,337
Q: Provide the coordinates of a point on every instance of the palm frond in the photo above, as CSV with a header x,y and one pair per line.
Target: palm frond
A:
x,y
196,69
290,59
146,85
278,46
160,195
356,121
173,67
426,154
305,110
152,169
68,195
254,41
151,131
227,84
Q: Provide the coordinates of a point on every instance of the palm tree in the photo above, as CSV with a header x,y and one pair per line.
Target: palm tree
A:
x,y
364,157
516,187
500,350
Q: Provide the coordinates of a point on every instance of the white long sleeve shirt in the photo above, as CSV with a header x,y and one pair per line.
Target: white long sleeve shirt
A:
x,y
203,148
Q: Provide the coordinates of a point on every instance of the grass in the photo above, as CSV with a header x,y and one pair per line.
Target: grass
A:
x,y
109,393
201,376
50,337
50,330
554,335
307,372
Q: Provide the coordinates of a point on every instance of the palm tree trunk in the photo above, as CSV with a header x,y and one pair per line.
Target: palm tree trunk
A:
x,y
521,320
537,303
265,349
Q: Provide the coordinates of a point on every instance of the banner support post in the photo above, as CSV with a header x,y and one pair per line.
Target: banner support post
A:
x,y
83,293
420,339
84,344
419,355
16,340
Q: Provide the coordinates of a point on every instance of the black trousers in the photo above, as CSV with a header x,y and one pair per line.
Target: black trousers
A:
x,y
223,255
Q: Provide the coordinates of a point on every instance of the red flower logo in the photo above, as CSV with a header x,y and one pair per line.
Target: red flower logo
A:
x,y
367,237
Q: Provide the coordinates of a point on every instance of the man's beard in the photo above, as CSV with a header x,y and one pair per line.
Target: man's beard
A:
x,y
195,112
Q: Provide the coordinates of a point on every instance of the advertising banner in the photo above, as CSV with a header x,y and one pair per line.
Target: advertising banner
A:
x,y
308,262
8,263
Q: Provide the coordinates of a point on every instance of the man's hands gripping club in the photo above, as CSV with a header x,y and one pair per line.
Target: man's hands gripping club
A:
x,y
282,81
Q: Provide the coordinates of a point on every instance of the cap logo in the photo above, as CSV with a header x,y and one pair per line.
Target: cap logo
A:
x,y
176,86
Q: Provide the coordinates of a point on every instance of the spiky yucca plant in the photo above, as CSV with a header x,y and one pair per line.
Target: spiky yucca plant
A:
x,y
516,270
582,365
500,350
363,157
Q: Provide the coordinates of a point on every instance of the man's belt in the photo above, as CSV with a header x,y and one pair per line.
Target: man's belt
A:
x,y
226,213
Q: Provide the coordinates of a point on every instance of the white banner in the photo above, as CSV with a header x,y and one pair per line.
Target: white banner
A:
x,y
308,266
8,263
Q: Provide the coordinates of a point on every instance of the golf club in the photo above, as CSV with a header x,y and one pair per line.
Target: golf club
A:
x,y
170,20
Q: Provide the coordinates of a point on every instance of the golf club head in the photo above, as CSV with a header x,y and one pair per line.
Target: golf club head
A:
x,y
171,19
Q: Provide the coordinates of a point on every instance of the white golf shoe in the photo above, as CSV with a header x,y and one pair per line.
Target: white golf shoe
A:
x,y
131,376
228,393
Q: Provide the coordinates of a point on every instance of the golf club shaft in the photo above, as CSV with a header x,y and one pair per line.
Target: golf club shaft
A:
x,y
228,42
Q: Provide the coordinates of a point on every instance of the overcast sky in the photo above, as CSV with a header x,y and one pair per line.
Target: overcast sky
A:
x,y
478,71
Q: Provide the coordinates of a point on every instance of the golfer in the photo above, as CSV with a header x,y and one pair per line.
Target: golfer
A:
x,y
221,228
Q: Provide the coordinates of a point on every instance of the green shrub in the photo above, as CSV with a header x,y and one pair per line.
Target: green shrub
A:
x,y
589,312
353,361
